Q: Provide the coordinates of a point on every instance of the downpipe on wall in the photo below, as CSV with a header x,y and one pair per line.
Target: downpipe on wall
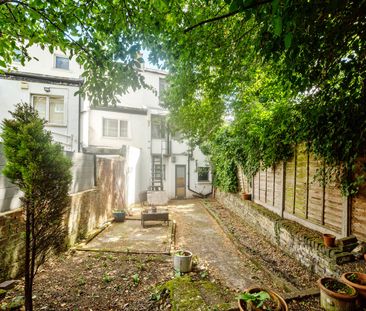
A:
x,y
200,195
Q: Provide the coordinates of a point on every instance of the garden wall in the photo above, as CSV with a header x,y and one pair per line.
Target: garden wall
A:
x,y
298,241
88,210
290,191
83,178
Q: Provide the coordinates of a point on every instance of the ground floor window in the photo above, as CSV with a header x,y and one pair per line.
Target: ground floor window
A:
x,y
203,173
115,128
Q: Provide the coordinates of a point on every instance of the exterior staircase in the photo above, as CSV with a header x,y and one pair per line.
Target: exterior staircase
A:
x,y
157,173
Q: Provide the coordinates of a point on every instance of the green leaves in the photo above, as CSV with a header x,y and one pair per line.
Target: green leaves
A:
x,y
277,25
288,40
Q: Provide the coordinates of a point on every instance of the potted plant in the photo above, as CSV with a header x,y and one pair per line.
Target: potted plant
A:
x,y
256,299
329,239
119,215
182,261
246,196
336,295
358,281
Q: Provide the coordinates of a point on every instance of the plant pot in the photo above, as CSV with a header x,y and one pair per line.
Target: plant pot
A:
x,y
246,196
332,300
361,288
119,216
182,261
249,306
329,240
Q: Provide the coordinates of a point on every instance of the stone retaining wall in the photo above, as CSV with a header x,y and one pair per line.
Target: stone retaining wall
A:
x,y
298,241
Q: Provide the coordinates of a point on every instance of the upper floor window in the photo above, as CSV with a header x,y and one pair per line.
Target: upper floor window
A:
x,y
62,62
158,128
115,128
203,173
50,108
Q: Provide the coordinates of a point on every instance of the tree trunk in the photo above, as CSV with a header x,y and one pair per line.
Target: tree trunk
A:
x,y
27,261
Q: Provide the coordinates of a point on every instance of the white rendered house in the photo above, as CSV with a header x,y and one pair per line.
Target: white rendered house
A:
x,y
50,85
155,160
135,129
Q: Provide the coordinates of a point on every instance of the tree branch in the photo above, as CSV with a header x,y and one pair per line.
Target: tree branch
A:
x,y
49,21
214,19
5,1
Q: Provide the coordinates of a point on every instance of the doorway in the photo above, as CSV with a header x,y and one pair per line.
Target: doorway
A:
x,y
180,181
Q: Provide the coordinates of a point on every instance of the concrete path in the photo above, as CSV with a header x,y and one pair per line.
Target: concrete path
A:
x,y
198,232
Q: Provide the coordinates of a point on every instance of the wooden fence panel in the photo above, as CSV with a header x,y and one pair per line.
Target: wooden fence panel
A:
x,y
307,198
270,186
278,185
290,185
301,183
333,208
358,218
256,186
262,185
316,195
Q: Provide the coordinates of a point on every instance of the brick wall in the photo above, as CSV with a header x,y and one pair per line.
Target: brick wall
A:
x,y
88,210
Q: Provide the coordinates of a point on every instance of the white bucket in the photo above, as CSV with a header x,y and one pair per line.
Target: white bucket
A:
x,y
182,261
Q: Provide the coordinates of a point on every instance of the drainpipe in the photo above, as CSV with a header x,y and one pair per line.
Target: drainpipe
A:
x,y
189,181
79,123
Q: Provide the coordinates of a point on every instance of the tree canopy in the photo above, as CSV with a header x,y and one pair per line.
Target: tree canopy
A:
x,y
284,71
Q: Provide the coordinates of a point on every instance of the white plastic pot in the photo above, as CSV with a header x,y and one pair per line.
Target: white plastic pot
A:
x,y
182,261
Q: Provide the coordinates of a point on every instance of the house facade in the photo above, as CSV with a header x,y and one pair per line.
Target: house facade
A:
x,y
49,85
135,129
155,160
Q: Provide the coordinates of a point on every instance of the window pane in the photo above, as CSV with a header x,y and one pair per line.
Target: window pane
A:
x,y
203,173
123,128
39,104
62,62
57,113
157,127
110,127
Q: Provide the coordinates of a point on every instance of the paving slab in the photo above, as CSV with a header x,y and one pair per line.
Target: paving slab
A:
x,y
129,236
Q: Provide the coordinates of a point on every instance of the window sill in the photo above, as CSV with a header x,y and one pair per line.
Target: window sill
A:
x,y
119,138
203,182
55,125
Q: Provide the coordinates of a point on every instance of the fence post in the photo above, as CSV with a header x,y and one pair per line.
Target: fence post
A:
x,y
283,188
346,216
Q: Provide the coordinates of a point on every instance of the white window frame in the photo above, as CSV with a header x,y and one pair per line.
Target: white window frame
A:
x,y
55,62
47,118
118,128
208,174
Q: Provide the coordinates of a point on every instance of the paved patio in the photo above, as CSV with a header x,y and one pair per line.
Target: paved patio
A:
x,y
195,230
129,236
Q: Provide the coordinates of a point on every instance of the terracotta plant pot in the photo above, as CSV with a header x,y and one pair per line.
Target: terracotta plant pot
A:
x,y
358,281
342,300
249,306
246,196
329,240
